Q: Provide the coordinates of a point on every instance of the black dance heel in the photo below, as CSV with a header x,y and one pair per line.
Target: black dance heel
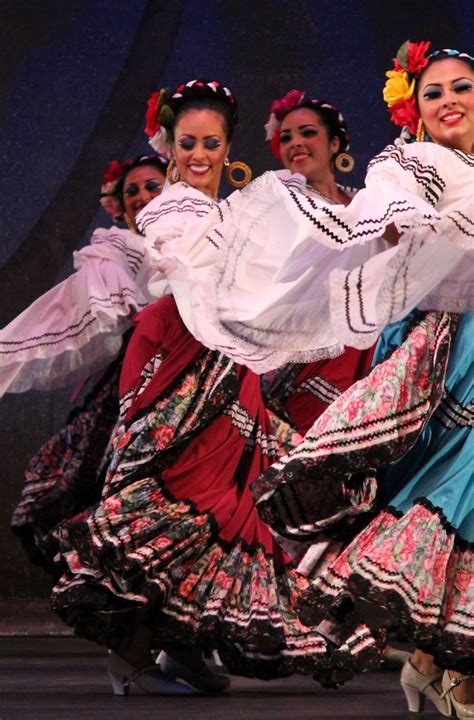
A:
x,y
150,680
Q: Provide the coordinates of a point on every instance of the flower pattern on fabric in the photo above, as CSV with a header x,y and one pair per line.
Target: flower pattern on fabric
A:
x,y
177,537
412,564
330,475
414,567
66,475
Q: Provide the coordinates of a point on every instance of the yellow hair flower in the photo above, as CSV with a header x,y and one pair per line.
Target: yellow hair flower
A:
x,y
398,87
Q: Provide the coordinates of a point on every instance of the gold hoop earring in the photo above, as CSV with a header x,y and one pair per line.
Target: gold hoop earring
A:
x,y
172,174
344,162
240,167
420,131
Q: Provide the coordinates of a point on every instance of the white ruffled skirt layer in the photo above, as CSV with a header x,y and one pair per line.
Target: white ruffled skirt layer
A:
x,y
71,331
273,276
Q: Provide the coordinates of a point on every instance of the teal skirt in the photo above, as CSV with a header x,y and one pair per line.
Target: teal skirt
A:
x,y
439,469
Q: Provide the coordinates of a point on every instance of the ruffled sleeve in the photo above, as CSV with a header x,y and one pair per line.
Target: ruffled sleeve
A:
x,y
276,275
76,327
425,189
167,223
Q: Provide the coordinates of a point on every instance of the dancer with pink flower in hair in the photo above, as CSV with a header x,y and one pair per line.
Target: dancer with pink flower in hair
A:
x,y
77,330
310,138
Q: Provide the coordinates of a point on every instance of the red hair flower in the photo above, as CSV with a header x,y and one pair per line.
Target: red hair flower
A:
x,y
406,113
283,105
399,90
113,172
151,117
412,57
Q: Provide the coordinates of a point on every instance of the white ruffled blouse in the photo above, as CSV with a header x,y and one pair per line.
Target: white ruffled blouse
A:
x,y
276,274
76,327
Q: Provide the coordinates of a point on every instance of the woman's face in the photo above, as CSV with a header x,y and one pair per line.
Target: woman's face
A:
x,y
446,101
305,146
141,185
200,147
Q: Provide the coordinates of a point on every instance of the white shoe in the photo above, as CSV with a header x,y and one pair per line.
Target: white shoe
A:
x,y
417,687
456,708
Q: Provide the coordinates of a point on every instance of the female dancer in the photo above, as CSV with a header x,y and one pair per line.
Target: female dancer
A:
x,y
309,136
175,556
415,559
77,327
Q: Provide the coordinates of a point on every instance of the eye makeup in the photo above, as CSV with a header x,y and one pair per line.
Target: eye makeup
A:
x,y
150,185
459,86
189,143
307,131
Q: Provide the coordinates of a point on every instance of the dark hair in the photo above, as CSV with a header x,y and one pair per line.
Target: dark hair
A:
x,y
205,95
159,162
218,106
330,117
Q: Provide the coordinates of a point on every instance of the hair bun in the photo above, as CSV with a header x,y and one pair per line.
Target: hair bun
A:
x,y
207,89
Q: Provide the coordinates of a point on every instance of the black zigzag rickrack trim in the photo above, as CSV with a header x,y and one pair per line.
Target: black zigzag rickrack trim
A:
x,y
467,158
451,413
291,183
425,175
393,209
466,231
296,197
215,241
134,257
360,303
71,331
196,206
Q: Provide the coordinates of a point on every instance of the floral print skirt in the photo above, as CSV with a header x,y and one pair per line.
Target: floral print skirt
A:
x,y
175,541
413,565
66,475
300,393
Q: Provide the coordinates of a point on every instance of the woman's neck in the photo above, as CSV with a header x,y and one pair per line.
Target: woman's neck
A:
x,y
329,189
326,186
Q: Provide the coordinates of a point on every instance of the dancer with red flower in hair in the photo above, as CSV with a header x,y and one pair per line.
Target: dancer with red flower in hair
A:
x,y
415,559
270,277
77,330
174,556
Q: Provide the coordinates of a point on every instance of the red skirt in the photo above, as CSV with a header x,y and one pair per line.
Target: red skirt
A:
x,y
176,540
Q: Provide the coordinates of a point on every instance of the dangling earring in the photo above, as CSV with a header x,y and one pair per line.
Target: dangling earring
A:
x,y
172,174
231,167
420,131
344,162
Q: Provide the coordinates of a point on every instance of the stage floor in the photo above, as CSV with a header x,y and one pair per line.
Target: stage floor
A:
x,y
65,679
